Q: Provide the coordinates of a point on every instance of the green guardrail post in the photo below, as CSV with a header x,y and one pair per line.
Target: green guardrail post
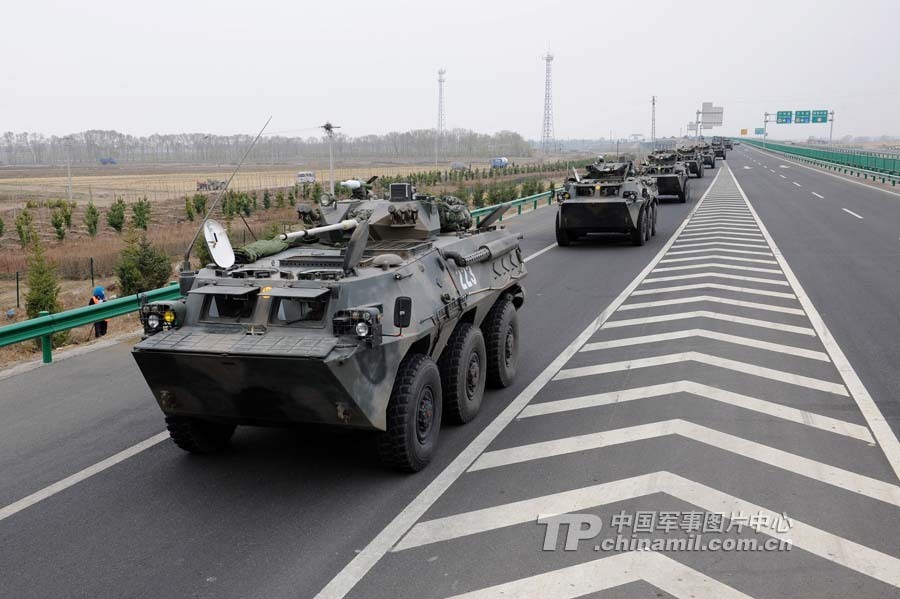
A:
x,y
46,343
519,209
535,204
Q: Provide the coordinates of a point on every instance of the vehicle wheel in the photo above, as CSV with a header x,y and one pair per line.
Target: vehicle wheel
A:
x,y
685,194
562,237
198,436
653,221
413,415
639,234
501,339
462,367
700,175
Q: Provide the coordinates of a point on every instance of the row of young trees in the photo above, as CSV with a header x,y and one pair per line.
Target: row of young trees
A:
x,y
61,212
91,146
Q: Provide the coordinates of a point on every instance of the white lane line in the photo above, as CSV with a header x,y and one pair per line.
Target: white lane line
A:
x,y
676,288
711,299
764,324
656,569
714,335
831,547
769,408
691,356
880,427
354,571
797,184
782,176
815,470
715,249
771,171
717,265
760,245
76,478
717,275
540,252
851,213
818,196
719,257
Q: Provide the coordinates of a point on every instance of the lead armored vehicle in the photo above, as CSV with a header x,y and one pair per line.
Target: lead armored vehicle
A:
x,y
388,315
610,198
670,175
690,156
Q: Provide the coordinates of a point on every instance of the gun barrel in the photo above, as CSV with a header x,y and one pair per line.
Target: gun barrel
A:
x,y
341,226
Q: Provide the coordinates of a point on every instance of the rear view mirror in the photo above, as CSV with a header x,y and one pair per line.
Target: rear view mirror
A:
x,y
402,312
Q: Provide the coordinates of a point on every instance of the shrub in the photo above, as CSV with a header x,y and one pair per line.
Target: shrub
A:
x,y
188,208
43,286
59,223
140,213
24,227
267,199
199,202
115,216
91,218
279,199
2,226
141,266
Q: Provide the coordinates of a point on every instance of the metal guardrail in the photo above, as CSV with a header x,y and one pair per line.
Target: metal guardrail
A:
x,y
845,162
517,204
47,324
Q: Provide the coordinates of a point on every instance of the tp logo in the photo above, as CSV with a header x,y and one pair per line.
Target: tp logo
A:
x,y
580,527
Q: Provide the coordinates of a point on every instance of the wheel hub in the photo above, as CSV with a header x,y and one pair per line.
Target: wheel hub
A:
x,y
509,346
425,415
473,375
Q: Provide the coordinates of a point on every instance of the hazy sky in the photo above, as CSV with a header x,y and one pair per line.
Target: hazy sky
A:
x,y
370,65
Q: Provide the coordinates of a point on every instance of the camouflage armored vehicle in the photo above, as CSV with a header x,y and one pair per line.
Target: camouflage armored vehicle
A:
x,y
388,315
669,174
211,185
690,156
718,147
728,143
707,154
610,198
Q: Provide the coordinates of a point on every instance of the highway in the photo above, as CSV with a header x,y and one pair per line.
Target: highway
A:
x,y
739,364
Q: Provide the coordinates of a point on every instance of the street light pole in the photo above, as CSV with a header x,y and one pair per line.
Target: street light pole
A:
x,y
329,130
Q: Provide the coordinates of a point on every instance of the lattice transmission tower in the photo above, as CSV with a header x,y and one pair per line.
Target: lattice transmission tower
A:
x,y
547,131
442,118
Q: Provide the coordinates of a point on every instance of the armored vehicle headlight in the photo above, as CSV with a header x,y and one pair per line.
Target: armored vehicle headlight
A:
x,y
169,317
153,321
362,329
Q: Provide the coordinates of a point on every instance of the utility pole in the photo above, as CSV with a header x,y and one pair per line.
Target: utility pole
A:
x,y
329,130
547,130
653,123
441,123
831,128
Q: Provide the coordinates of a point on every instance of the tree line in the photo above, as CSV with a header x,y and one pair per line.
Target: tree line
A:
x,y
90,147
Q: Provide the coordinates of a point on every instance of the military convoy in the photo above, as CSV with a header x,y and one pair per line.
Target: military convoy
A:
x,y
389,315
707,154
690,156
611,198
718,147
669,173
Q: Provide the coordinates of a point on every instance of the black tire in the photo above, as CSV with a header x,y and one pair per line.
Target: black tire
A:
x,y
700,171
653,220
413,415
685,194
198,436
462,367
562,237
501,340
639,233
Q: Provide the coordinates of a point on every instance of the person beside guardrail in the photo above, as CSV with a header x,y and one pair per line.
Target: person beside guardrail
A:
x,y
98,297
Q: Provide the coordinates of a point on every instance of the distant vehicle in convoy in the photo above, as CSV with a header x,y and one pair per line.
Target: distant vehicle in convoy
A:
x,y
611,198
690,156
728,144
211,185
306,177
669,175
389,315
459,166
718,147
499,162
707,154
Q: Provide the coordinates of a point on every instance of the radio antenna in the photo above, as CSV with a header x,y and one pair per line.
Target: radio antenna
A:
x,y
186,264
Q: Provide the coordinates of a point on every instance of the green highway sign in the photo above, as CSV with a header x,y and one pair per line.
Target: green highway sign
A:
x,y
801,117
783,117
820,116
760,131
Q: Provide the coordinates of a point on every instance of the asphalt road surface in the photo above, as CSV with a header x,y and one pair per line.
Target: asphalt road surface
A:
x,y
728,383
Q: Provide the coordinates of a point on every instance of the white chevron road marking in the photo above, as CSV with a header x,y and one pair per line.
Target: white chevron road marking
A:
x,y
730,244
690,356
776,410
588,578
717,235
717,275
676,288
717,265
860,558
719,249
719,257
720,222
765,324
716,230
715,336
819,471
712,298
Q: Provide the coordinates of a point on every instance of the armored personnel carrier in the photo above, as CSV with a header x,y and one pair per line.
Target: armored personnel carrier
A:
x,y
690,156
669,174
707,154
388,315
611,198
718,147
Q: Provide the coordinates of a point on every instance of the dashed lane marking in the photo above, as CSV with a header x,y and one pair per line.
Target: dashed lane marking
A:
x,y
850,212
